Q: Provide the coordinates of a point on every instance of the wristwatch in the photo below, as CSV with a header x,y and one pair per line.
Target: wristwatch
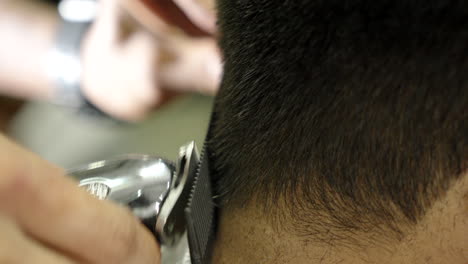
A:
x,y
64,61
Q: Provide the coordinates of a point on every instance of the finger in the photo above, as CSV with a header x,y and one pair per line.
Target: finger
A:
x,y
107,22
50,208
197,67
16,248
154,14
201,15
144,51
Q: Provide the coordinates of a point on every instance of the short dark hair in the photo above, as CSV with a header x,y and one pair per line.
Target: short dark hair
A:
x,y
351,113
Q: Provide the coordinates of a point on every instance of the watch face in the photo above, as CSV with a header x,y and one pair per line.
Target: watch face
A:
x,y
80,11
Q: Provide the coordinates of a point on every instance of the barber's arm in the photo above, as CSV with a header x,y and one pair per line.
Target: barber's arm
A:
x,y
127,69
46,218
27,33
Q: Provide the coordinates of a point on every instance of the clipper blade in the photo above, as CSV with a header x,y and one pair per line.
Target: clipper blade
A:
x,y
200,214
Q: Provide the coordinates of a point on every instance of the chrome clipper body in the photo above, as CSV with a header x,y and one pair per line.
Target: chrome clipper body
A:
x,y
161,194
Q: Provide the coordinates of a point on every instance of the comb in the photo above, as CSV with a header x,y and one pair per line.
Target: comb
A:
x,y
200,214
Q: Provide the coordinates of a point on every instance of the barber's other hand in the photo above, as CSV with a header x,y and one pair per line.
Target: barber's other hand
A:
x,y
128,71
46,219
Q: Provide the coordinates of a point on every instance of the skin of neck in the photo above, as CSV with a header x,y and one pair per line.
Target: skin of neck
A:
x,y
441,236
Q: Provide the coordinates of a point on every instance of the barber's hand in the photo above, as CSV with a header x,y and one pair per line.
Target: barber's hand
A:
x,y
46,219
129,69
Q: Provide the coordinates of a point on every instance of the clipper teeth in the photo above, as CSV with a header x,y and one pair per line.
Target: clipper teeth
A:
x,y
98,189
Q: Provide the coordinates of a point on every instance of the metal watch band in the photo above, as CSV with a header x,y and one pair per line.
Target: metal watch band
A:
x,y
65,63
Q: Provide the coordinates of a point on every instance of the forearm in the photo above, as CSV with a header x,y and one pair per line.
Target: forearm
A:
x,y
27,30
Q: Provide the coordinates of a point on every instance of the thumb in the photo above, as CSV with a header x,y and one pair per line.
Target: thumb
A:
x,y
52,209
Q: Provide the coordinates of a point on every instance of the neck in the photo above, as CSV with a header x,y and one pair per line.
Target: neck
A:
x,y
245,236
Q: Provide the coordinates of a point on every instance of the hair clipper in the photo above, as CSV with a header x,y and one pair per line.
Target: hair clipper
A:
x,y
173,200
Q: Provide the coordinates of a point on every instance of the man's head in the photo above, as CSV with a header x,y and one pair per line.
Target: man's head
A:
x,y
338,119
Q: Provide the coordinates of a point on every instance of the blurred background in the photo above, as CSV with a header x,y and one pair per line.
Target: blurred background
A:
x,y
68,139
